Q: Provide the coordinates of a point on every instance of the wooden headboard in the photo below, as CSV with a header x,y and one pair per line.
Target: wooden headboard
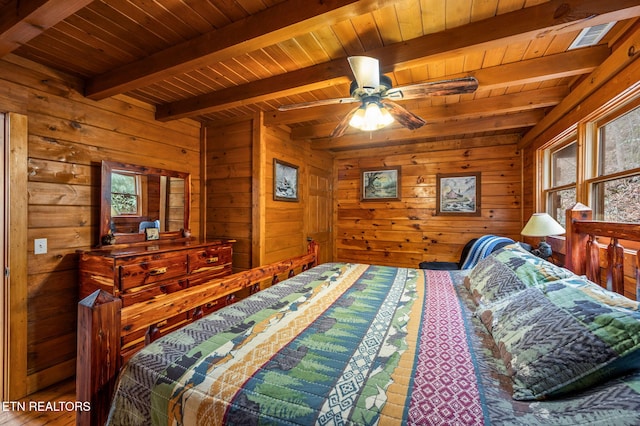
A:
x,y
595,249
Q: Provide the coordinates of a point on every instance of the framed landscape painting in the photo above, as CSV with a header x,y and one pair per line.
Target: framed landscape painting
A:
x,y
381,184
458,194
285,181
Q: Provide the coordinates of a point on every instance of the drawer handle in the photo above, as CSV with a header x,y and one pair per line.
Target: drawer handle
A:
x,y
212,259
158,271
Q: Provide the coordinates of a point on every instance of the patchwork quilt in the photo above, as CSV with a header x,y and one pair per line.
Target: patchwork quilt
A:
x,y
347,344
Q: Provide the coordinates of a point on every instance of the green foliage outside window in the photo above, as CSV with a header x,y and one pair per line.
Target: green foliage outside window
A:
x,y
124,194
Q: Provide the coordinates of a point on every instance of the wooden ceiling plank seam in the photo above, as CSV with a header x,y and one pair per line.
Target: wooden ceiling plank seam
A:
x,y
156,17
409,27
279,22
23,20
184,13
69,48
387,22
123,27
348,37
74,26
484,9
367,30
298,55
329,42
95,25
433,16
265,60
458,13
211,14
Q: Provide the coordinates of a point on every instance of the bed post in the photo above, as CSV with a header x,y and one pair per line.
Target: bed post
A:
x,y
98,359
575,241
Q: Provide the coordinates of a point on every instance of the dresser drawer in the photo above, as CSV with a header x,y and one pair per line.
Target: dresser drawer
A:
x,y
209,259
141,294
151,270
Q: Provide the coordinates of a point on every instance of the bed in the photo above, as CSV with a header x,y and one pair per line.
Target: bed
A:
x,y
516,340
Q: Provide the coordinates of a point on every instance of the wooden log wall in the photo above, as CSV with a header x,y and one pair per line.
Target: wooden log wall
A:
x,y
406,232
229,186
68,136
240,204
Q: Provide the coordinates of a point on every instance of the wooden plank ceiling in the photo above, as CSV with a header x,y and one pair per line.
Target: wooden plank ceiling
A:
x,y
214,60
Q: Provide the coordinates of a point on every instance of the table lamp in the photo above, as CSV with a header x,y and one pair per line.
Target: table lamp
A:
x,y
542,225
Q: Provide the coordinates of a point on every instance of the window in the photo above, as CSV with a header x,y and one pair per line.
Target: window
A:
x,y
615,189
599,167
561,177
125,194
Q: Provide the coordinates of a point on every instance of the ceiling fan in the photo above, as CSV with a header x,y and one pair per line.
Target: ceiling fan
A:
x,y
375,94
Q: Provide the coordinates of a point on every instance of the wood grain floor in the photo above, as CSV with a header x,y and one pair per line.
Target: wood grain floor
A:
x,y
47,407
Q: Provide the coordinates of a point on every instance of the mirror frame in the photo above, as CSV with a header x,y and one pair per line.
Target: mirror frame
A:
x,y
105,203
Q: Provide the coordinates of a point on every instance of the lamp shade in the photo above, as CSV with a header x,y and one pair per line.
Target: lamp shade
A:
x,y
542,225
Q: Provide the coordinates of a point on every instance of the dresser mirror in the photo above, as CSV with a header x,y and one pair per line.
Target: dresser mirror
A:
x,y
136,198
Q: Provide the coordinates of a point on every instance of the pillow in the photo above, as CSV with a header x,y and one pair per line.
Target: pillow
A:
x,y
508,271
562,336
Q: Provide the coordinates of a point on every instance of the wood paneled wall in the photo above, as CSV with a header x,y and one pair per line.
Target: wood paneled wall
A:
x,y
229,186
406,232
285,228
68,136
240,204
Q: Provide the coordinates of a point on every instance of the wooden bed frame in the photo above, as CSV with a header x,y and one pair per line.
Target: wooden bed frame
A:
x,y
101,318
594,248
102,321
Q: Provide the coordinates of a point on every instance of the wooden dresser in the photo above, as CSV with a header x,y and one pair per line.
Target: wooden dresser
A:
x,y
138,273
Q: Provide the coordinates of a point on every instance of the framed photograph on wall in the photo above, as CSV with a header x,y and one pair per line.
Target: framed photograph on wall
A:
x,y
381,184
458,194
285,181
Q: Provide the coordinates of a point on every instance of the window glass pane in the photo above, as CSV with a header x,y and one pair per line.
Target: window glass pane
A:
x,y
617,200
123,184
619,141
559,201
563,166
124,197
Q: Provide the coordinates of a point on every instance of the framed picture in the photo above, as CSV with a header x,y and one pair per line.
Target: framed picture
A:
x,y
381,184
285,181
458,194
152,234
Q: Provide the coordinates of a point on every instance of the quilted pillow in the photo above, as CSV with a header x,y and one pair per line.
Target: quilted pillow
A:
x,y
510,270
563,336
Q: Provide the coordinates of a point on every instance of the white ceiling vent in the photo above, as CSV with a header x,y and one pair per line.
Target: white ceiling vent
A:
x,y
591,36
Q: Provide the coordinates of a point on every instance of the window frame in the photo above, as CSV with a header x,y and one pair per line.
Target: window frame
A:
x,y
547,175
138,194
593,176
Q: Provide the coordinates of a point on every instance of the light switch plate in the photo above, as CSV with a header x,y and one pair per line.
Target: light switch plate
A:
x,y
40,246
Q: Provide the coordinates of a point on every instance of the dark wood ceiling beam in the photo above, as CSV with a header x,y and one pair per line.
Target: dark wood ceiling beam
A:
x,y
430,130
497,105
22,20
522,25
277,23
568,64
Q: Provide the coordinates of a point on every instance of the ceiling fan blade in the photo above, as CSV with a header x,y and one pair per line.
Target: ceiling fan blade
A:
x,y
343,124
403,116
366,71
318,102
435,88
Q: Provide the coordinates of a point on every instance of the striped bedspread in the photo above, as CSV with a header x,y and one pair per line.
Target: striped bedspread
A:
x,y
340,344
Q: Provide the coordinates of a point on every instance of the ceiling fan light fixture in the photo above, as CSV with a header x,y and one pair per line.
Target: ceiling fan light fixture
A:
x,y
371,116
